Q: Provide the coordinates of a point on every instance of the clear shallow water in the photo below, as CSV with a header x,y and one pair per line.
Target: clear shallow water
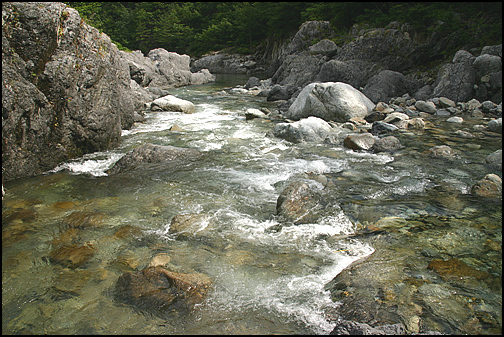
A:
x,y
265,280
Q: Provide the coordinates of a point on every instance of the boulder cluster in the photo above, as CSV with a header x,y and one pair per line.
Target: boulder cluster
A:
x,y
380,62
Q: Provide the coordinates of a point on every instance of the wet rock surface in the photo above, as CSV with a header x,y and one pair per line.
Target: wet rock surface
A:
x,y
298,203
73,256
154,154
311,129
423,290
161,291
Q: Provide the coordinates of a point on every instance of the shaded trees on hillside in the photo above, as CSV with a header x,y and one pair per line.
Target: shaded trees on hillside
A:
x,y
196,28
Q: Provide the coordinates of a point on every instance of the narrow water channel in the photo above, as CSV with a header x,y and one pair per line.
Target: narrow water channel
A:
x,y
265,280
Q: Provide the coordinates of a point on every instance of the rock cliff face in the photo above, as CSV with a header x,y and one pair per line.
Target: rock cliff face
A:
x,y
381,62
66,88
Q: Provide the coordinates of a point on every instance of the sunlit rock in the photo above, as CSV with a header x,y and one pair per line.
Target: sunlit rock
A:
x,y
359,141
172,103
441,151
298,203
331,101
311,129
489,187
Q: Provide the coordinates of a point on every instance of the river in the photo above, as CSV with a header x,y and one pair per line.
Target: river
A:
x,y
266,279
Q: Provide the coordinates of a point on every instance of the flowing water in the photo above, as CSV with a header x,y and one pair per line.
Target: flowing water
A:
x,y
267,279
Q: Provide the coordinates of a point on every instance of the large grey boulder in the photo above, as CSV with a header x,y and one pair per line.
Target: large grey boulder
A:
x,y
325,47
223,63
456,80
65,88
298,65
311,129
390,47
279,92
353,72
298,69
330,101
174,67
486,64
163,69
149,154
172,103
309,33
388,84
201,77
142,69
492,50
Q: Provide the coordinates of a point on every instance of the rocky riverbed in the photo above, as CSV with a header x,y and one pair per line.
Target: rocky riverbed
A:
x,y
243,231
343,193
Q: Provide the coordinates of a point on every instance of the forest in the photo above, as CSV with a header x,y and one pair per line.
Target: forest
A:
x,y
197,28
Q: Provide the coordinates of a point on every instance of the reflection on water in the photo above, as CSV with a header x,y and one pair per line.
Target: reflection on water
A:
x,y
69,234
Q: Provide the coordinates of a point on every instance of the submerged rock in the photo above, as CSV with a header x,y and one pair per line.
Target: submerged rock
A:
x,y
161,291
84,220
441,151
73,256
345,327
454,268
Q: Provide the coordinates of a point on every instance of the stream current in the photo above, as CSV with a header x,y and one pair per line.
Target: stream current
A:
x,y
266,279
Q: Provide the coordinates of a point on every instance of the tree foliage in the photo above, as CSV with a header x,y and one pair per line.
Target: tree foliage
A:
x,y
196,28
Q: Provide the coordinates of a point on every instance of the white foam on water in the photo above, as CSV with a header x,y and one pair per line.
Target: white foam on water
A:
x,y
378,158
206,117
94,164
409,187
250,180
297,298
245,132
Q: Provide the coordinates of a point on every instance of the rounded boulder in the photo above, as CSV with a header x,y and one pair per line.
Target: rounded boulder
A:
x,y
331,101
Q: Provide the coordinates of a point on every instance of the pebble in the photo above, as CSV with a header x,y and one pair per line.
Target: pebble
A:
x,y
455,119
